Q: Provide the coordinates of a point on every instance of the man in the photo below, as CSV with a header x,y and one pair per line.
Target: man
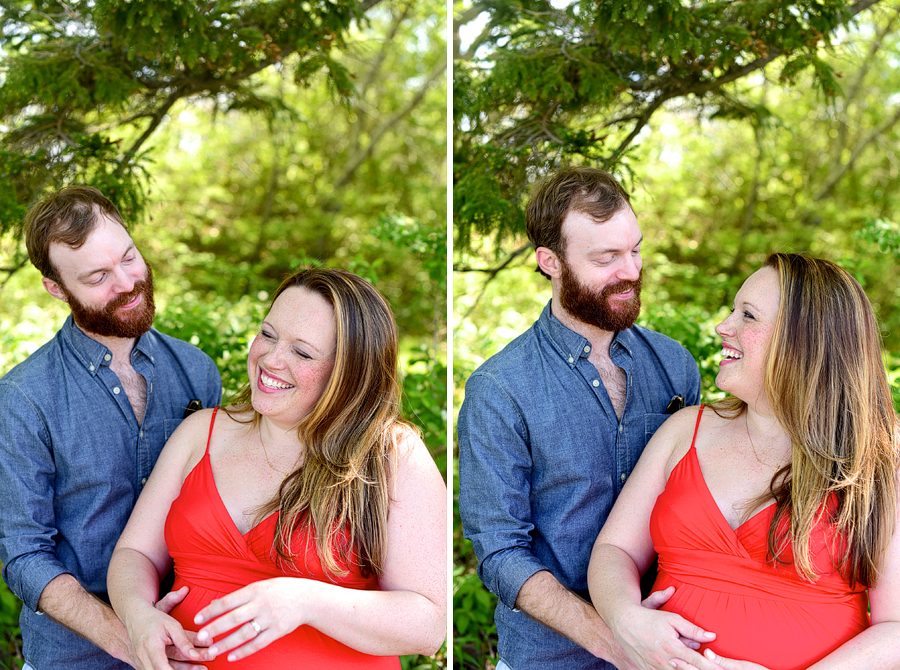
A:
x,y
552,426
82,422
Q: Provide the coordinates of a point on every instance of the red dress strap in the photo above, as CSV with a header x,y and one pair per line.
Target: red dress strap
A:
x,y
212,422
696,427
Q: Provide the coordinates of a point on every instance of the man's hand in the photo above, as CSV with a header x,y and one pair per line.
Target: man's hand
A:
x,y
659,598
177,658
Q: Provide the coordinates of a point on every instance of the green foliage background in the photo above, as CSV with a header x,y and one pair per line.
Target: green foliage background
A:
x,y
240,142
739,128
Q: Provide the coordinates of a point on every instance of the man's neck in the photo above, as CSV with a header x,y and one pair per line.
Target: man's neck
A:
x,y
120,347
600,339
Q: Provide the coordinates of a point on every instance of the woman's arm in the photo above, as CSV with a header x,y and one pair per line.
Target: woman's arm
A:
x,y
624,550
407,616
141,556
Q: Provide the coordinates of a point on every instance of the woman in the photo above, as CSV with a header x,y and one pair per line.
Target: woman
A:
x,y
307,520
774,510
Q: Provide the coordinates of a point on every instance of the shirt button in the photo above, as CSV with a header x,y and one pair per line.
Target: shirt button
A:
x,y
91,368
116,390
571,360
141,434
622,478
596,383
107,357
587,350
144,480
621,428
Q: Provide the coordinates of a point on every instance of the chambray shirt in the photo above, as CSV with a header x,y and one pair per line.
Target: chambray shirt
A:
x,y
73,460
542,458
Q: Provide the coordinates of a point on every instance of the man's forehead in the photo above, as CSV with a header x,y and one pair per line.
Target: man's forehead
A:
x,y
620,231
108,236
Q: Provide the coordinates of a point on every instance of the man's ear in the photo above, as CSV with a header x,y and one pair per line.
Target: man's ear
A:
x,y
548,261
54,289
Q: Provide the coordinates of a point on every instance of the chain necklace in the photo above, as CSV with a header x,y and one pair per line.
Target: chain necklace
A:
x,y
753,446
266,453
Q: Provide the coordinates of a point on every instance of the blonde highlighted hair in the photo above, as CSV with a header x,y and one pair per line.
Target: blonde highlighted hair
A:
x,y
341,491
826,383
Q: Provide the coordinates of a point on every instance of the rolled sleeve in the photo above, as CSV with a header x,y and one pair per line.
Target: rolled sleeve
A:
x,y
494,487
27,478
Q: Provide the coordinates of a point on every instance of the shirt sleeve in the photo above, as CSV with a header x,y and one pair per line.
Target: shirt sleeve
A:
x,y
213,385
692,377
27,480
494,487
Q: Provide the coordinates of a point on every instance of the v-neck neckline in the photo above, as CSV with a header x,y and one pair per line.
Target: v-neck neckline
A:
x,y
714,504
692,453
212,478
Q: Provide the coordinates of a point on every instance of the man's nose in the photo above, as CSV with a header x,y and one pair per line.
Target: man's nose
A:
x,y
122,281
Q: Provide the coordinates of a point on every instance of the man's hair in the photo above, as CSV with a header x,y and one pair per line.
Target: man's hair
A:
x,y
66,217
587,190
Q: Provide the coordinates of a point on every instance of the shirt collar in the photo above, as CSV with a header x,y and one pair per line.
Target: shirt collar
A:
x,y
571,345
92,354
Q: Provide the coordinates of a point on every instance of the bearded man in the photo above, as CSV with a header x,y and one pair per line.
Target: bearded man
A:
x,y
552,426
82,422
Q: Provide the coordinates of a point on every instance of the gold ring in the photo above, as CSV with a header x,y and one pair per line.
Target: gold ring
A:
x,y
255,627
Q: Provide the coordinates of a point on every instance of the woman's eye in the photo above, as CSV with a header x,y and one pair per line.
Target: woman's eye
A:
x,y
266,335
302,355
749,315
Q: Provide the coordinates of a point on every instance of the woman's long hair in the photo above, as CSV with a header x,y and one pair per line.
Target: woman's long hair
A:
x,y
826,383
341,491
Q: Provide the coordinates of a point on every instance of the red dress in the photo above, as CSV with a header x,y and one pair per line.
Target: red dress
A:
x,y
760,611
214,559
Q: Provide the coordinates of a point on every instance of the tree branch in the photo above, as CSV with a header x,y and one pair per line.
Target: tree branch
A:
x,y
362,154
838,172
492,275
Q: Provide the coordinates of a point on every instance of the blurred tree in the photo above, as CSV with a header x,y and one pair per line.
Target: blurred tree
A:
x,y
772,158
86,85
547,83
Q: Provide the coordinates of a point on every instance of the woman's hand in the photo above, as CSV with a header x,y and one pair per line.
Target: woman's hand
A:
x,y
655,640
720,663
156,637
257,615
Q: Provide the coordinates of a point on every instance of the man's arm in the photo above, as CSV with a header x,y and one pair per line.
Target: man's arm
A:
x,y
544,599
66,601
495,506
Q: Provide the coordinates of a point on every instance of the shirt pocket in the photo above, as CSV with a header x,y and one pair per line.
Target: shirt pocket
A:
x,y
652,422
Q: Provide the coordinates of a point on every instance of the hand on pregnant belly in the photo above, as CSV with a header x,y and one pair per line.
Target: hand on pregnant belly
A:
x,y
256,615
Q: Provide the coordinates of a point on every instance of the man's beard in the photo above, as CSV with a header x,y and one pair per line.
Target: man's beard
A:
x,y
594,307
106,322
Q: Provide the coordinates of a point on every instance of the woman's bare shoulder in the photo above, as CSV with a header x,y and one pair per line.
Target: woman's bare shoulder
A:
x,y
675,436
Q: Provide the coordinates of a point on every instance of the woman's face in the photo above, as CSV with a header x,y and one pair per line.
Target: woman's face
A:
x,y
292,356
746,334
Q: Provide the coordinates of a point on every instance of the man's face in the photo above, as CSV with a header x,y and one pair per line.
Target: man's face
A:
x,y
106,282
601,270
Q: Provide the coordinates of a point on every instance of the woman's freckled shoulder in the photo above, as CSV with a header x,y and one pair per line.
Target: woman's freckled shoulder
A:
x,y
674,437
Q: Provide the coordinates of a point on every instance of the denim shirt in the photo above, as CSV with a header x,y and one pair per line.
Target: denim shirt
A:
x,y
542,458
73,460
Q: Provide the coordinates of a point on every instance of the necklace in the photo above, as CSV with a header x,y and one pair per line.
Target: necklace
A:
x,y
753,446
266,453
